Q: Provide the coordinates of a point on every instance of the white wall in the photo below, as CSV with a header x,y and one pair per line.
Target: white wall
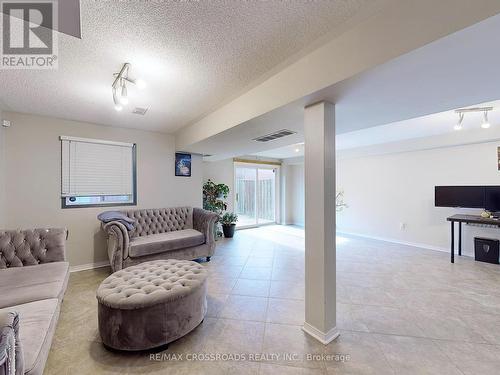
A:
x,y
387,190
286,200
33,168
294,194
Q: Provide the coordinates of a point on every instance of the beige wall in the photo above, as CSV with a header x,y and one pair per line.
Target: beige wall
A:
x,y
33,160
386,191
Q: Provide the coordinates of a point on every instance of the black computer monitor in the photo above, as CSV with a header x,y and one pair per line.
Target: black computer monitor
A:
x,y
459,196
492,198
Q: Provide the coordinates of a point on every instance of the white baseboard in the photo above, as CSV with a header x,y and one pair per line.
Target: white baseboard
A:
x,y
413,244
324,338
89,266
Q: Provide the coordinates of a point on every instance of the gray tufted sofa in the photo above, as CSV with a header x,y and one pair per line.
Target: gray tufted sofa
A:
x,y
183,233
33,279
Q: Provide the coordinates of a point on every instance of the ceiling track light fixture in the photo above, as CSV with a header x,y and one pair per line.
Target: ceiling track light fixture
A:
x,y
459,125
485,124
119,86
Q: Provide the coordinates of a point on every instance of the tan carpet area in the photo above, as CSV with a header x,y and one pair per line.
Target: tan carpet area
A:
x,y
401,310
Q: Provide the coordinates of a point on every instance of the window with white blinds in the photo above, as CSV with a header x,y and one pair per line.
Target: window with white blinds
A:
x,y
94,171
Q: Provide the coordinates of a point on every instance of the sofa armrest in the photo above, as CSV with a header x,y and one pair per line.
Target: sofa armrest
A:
x,y
11,355
204,222
118,243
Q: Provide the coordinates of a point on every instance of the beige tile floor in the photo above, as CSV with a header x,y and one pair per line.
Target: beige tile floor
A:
x,y
401,310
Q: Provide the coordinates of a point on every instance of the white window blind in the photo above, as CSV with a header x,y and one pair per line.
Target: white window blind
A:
x,y
92,167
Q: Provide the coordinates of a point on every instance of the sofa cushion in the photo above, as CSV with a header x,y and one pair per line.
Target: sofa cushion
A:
x,y
159,243
20,285
151,283
37,323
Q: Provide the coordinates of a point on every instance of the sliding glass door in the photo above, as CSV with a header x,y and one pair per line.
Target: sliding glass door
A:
x,y
255,195
266,196
246,196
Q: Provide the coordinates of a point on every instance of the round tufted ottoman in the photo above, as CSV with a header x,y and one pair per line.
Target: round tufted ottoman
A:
x,y
149,305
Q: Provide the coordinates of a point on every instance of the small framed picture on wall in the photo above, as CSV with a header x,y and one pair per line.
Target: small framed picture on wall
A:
x,y
182,164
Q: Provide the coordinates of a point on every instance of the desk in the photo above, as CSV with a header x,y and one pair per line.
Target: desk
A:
x,y
467,219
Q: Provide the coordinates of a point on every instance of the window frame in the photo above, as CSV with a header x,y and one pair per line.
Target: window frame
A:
x,y
64,205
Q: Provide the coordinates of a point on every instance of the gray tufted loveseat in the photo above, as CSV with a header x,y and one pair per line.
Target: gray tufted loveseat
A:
x,y
33,279
183,233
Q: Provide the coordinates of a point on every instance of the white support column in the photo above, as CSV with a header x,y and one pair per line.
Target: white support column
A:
x,y
320,262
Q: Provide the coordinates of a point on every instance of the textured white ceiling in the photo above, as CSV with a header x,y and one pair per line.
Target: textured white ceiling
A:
x,y
193,55
456,71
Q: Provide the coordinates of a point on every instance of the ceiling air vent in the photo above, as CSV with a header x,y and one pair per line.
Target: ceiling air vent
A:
x,y
271,137
140,111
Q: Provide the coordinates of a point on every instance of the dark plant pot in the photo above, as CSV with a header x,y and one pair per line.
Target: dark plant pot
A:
x,y
228,230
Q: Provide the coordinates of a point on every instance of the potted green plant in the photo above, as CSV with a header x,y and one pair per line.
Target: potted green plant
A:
x,y
340,205
228,221
214,196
